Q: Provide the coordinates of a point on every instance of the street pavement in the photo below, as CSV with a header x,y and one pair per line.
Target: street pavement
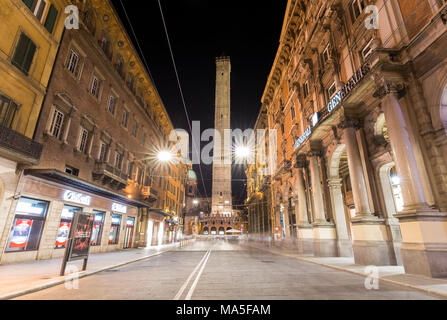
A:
x,y
223,270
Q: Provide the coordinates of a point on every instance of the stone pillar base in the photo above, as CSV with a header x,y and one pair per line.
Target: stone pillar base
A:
x,y
345,248
325,240
372,245
424,242
305,239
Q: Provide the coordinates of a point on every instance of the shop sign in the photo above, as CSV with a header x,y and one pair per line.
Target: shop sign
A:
x,y
335,101
116,207
303,138
76,197
352,83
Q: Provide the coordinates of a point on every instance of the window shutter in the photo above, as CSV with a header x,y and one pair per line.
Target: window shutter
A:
x,y
28,3
51,19
24,53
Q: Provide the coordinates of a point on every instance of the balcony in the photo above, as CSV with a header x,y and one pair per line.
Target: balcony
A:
x,y
109,175
149,194
18,147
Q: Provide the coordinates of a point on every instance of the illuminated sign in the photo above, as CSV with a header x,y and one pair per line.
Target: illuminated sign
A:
x,y
340,95
303,138
76,197
116,207
335,101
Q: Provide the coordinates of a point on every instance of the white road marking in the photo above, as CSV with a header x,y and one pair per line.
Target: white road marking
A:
x,y
180,292
193,287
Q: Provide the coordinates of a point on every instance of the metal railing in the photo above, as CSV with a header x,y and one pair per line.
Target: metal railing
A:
x,y
19,143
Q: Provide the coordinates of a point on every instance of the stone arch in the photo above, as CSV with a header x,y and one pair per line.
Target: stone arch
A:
x,y
384,175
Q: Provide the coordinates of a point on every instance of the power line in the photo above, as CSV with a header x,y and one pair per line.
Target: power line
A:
x,y
181,91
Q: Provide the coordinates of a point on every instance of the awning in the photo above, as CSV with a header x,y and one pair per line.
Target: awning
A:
x,y
75,182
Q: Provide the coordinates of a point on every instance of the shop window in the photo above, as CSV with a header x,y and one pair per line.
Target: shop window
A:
x,y
397,190
65,225
24,54
115,229
97,228
28,224
8,111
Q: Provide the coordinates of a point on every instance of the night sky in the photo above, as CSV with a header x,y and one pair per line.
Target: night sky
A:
x,y
246,30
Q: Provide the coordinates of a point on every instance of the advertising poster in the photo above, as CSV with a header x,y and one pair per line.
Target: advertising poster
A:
x,y
62,234
82,235
20,233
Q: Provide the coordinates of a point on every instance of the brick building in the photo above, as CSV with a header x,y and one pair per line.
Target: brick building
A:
x,y
361,132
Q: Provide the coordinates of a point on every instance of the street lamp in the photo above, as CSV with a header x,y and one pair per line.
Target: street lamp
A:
x,y
242,152
164,156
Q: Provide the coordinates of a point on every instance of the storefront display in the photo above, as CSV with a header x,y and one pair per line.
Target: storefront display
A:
x,y
28,224
97,228
115,229
65,225
130,224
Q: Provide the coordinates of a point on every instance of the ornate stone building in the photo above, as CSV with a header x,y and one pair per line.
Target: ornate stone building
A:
x,y
361,122
101,127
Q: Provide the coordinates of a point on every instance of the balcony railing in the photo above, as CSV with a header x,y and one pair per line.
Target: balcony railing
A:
x,y
20,144
109,174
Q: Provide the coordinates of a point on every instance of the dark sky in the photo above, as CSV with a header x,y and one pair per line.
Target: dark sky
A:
x,y
246,30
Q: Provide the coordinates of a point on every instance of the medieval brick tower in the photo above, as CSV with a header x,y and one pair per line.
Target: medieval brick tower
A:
x,y
221,197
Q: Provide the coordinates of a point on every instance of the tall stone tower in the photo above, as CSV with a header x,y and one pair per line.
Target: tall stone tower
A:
x,y
221,197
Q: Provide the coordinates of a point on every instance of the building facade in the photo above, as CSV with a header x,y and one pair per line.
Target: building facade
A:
x,y
101,125
31,33
361,131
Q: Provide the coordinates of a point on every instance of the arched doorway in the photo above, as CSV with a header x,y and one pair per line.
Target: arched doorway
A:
x,y
341,192
221,231
213,231
206,231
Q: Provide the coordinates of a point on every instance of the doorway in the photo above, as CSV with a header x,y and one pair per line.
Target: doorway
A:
x,y
128,237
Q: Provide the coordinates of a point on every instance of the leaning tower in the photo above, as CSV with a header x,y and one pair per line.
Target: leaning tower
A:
x,y
221,197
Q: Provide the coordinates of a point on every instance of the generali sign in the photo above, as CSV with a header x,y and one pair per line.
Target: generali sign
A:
x,y
335,101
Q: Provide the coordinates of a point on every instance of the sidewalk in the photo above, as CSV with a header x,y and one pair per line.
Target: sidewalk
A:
x,y
389,274
23,278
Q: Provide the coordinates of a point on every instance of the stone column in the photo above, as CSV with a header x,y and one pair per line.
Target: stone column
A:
x,y
319,214
356,172
324,232
305,232
424,247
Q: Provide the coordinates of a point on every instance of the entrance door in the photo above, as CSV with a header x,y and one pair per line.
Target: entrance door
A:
x,y
130,225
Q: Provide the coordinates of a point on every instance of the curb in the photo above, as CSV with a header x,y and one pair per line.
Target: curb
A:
x,y
402,284
82,274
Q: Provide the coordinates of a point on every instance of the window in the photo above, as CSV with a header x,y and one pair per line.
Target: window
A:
x,y
83,139
51,19
65,225
325,56
131,82
143,139
73,63
115,229
331,91
135,128
292,112
37,7
72,171
118,160
112,104
103,152
130,166
56,125
367,50
120,66
97,228
306,89
28,224
356,8
24,54
95,87
8,111
125,118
